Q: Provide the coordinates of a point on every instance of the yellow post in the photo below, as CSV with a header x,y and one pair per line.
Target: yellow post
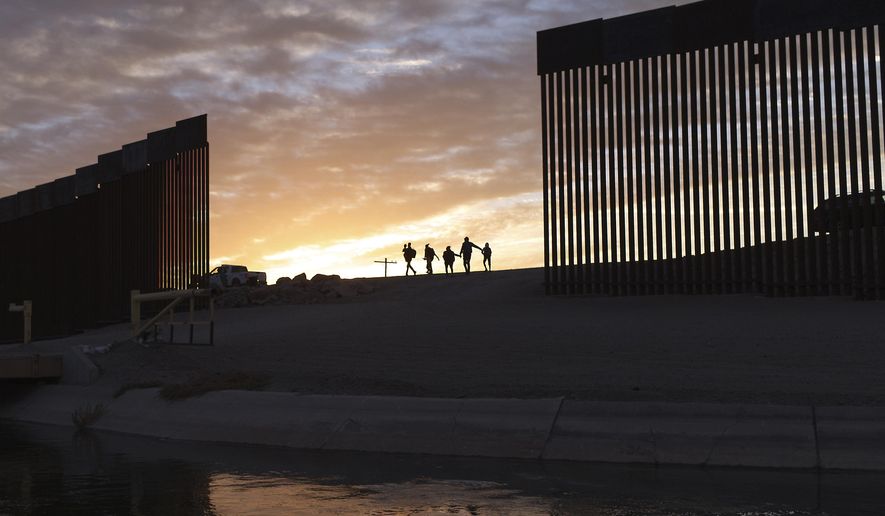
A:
x,y
29,311
135,310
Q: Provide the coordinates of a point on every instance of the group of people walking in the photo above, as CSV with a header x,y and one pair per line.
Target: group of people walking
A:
x,y
448,257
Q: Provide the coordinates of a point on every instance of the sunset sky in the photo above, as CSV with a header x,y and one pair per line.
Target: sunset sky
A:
x,y
338,130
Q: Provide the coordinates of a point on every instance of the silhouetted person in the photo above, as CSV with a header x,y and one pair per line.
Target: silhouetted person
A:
x,y
449,259
487,257
408,254
429,255
466,251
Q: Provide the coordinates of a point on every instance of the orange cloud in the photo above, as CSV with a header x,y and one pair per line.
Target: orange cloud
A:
x,y
337,132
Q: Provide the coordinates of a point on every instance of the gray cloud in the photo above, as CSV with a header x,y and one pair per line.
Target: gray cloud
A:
x,y
328,120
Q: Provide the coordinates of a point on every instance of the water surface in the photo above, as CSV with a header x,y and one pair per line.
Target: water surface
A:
x,y
55,470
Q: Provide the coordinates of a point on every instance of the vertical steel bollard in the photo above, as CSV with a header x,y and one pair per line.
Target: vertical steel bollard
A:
x,y
211,320
28,313
190,321
134,311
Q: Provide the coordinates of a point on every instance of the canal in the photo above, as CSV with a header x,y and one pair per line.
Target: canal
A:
x,y
55,470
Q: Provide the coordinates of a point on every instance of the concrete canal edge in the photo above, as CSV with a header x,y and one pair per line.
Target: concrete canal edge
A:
x,y
770,436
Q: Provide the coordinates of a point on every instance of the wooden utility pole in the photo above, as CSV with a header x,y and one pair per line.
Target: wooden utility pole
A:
x,y
27,310
386,263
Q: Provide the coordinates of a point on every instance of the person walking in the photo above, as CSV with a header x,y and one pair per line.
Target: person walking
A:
x,y
449,259
429,255
466,251
487,257
408,255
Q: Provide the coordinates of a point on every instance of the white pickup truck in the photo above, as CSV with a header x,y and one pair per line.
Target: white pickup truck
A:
x,y
229,276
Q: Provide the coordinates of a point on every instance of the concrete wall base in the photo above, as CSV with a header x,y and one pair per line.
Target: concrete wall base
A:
x,y
623,432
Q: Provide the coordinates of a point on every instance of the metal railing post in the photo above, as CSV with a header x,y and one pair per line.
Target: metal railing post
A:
x,y
175,297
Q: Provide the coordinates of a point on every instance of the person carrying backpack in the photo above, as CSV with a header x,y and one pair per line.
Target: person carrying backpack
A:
x,y
408,255
429,255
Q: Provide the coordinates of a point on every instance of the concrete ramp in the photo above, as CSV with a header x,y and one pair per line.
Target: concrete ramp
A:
x,y
36,366
708,434
470,427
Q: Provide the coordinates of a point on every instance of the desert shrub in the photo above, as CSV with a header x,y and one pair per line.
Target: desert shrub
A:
x,y
126,387
214,382
86,415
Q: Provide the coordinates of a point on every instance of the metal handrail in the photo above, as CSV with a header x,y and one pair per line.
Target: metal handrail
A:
x,y
177,296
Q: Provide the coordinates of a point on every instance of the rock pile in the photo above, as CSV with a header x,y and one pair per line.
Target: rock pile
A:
x,y
293,291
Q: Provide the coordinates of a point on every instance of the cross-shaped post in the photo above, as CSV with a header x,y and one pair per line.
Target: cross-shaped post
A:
x,y
386,263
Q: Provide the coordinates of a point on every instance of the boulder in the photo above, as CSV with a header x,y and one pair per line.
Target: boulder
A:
x,y
232,298
294,296
295,290
325,284
362,287
320,278
344,289
261,296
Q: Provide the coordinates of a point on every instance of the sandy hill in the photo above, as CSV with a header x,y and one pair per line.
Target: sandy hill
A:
x,y
496,335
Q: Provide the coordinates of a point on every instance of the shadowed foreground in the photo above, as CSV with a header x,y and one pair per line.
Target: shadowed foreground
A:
x,y
497,335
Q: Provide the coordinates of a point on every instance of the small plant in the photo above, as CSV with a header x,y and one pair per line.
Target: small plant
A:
x,y
214,382
86,415
126,387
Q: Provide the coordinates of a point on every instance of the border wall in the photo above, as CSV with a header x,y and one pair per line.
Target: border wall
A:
x,y
136,219
722,146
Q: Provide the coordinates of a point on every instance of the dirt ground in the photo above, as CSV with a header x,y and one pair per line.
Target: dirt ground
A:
x,y
497,335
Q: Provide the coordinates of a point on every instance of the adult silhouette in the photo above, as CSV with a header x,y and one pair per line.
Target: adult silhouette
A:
x,y
466,251
449,259
429,255
408,254
487,257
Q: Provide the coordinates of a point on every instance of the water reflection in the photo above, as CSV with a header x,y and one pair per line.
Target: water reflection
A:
x,y
50,470
232,494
